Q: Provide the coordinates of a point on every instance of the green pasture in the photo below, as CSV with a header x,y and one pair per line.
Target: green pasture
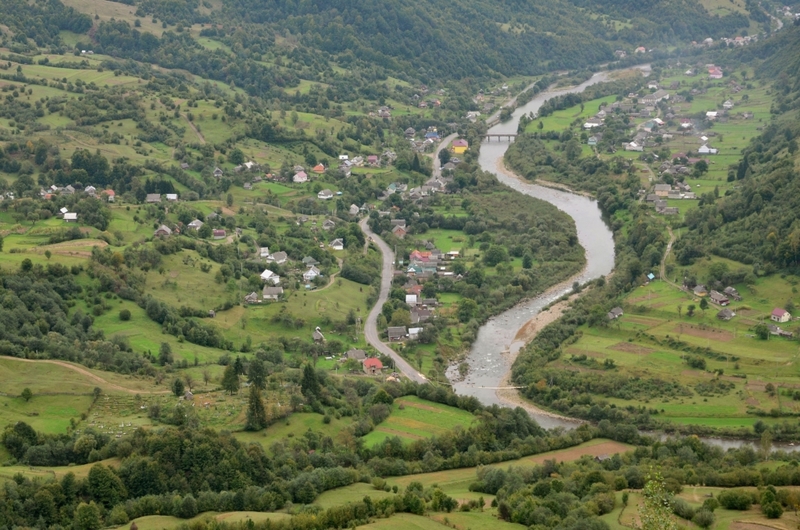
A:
x,y
45,413
295,426
415,419
563,119
353,493
165,522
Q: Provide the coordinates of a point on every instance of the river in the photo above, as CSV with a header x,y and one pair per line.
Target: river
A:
x,y
495,348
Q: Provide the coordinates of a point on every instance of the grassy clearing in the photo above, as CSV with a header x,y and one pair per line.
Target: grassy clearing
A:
x,y
160,522
294,426
352,493
414,419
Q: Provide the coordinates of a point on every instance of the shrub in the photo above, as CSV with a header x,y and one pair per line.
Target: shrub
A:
x,y
735,500
703,518
125,315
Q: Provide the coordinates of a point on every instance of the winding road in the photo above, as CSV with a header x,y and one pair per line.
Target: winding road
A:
x,y
371,326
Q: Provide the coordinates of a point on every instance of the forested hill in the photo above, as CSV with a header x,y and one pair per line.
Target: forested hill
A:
x,y
759,222
457,39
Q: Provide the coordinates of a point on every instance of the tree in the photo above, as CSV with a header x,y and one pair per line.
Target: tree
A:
x,y
105,486
401,317
86,517
230,380
165,354
310,383
527,261
256,413
761,331
704,518
236,156
690,310
256,373
177,387
26,394
656,512
125,315
495,255
206,377
229,200
238,365
47,254
703,305
467,309
444,156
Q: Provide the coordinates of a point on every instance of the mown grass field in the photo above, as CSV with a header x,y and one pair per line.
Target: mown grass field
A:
x,y
637,343
415,419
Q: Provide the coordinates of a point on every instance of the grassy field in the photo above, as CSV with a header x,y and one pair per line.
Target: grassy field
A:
x,y
414,419
159,522
638,345
294,427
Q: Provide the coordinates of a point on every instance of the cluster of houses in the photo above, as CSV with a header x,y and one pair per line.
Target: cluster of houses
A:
x,y
91,191
155,198
662,192
437,184
429,138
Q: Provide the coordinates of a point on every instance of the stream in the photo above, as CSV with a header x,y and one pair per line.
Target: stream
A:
x,y
495,348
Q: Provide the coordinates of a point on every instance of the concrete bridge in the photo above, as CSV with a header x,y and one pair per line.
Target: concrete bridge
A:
x,y
508,137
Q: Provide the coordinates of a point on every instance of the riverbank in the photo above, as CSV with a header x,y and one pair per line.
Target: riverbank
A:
x,y
502,168
510,396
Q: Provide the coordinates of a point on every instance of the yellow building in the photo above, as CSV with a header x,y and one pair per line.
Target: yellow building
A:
x,y
459,146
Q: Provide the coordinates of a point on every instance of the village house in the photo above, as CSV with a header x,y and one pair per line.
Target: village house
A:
x,y
197,224
419,314
252,298
319,168
396,334
219,234
399,231
726,314
109,194
700,290
218,172
358,355
718,298
336,244
311,273
278,258
172,197
153,198
308,261
68,190
633,146
324,195
90,190
459,146
184,166
272,294
372,366
615,313
706,150
161,231
728,105
593,123
780,315
655,97
732,293
71,217
328,225
318,336
270,277
662,190
300,177
354,210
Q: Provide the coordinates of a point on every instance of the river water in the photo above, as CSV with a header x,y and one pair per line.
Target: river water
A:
x,y
495,348
492,352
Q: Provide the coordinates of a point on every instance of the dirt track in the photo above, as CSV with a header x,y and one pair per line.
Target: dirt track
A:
x,y
87,373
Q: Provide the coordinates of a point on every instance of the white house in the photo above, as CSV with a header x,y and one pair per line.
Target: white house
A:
x,y
633,146
354,209
711,115
324,195
706,150
728,105
311,273
263,252
172,197
300,177
279,258
71,217
270,277
337,244
411,299
197,224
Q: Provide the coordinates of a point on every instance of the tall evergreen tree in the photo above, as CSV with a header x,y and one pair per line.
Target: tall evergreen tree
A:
x,y
256,373
230,380
310,383
256,413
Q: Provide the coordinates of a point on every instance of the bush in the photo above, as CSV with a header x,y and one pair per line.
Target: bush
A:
x,y
125,315
772,510
735,500
682,509
704,518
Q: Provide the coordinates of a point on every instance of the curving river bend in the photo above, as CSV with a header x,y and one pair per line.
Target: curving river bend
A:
x,y
495,348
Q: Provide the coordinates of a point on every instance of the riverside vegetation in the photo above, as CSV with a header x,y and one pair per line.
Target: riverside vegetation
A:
x,y
126,351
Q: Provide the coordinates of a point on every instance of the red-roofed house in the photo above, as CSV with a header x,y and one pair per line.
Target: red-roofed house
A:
x,y
373,160
110,195
373,366
319,168
419,255
780,315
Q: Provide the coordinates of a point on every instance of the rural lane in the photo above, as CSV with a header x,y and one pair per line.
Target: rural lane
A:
x,y
371,326
437,166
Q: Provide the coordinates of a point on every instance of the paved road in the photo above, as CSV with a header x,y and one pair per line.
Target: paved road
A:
x,y
371,326
437,168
